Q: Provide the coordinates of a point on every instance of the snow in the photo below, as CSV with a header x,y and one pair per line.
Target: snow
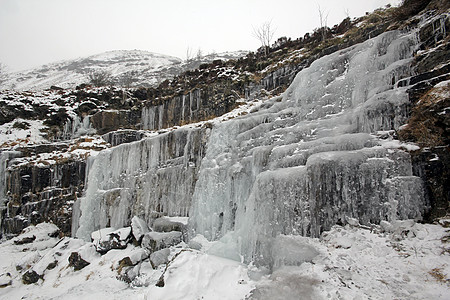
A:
x,y
398,260
147,69
182,220
102,235
71,73
9,135
270,188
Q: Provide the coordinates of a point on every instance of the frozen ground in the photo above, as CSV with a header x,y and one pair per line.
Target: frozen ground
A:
x,y
403,260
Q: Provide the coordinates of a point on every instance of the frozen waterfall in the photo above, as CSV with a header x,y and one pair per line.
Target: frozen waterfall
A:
x,y
151,177
5,158
298,164
311,158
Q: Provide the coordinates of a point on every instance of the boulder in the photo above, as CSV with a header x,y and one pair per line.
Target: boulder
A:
x,y
155,241
5,280
159,257
165,224
107,239
30,277
25,240
77,262
133,258
138,228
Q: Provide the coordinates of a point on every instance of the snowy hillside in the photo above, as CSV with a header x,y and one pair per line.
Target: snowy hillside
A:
x,y
126,67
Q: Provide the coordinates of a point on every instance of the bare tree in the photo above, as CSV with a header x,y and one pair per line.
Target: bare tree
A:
x,y
323,22
100,78
347,13
264,34
199,54
188,54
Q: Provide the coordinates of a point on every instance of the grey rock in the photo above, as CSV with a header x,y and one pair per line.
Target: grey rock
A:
x,y
25,240
155,241
138,228
159,257
165,225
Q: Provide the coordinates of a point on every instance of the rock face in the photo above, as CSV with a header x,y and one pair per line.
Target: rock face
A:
x,y
196,105
123,136
42,194
430,119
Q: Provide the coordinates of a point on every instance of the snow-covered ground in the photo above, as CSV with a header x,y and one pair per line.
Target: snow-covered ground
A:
x,y
403,260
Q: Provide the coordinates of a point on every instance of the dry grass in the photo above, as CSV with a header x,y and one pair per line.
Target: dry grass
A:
x,y
438,275
424,127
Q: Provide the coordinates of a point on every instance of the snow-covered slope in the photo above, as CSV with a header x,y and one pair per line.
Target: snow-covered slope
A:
x,y
402,260
126,67
147,67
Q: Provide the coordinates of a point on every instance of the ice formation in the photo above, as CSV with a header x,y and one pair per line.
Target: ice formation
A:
x,y
5,157
145,178
310,158
301,163
77,126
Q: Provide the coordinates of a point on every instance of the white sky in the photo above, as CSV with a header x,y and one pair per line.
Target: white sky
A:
x,y
35,32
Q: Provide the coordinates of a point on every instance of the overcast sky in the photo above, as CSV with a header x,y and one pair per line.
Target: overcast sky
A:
x,y
36,32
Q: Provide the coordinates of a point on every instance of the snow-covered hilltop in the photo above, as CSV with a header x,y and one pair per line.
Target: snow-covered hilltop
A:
x,y
123,67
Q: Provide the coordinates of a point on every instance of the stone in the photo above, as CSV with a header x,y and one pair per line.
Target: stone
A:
x,y
30,277
159,257
166,225
155,241
5,280
138,228
114,240
52,265
77,262
123,263
25,240
160,282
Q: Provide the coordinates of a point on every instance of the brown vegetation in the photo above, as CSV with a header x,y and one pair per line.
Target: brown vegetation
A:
x,y
428,125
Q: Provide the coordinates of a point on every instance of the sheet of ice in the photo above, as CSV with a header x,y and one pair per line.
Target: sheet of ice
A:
x,y
305,163
153,176
182,220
